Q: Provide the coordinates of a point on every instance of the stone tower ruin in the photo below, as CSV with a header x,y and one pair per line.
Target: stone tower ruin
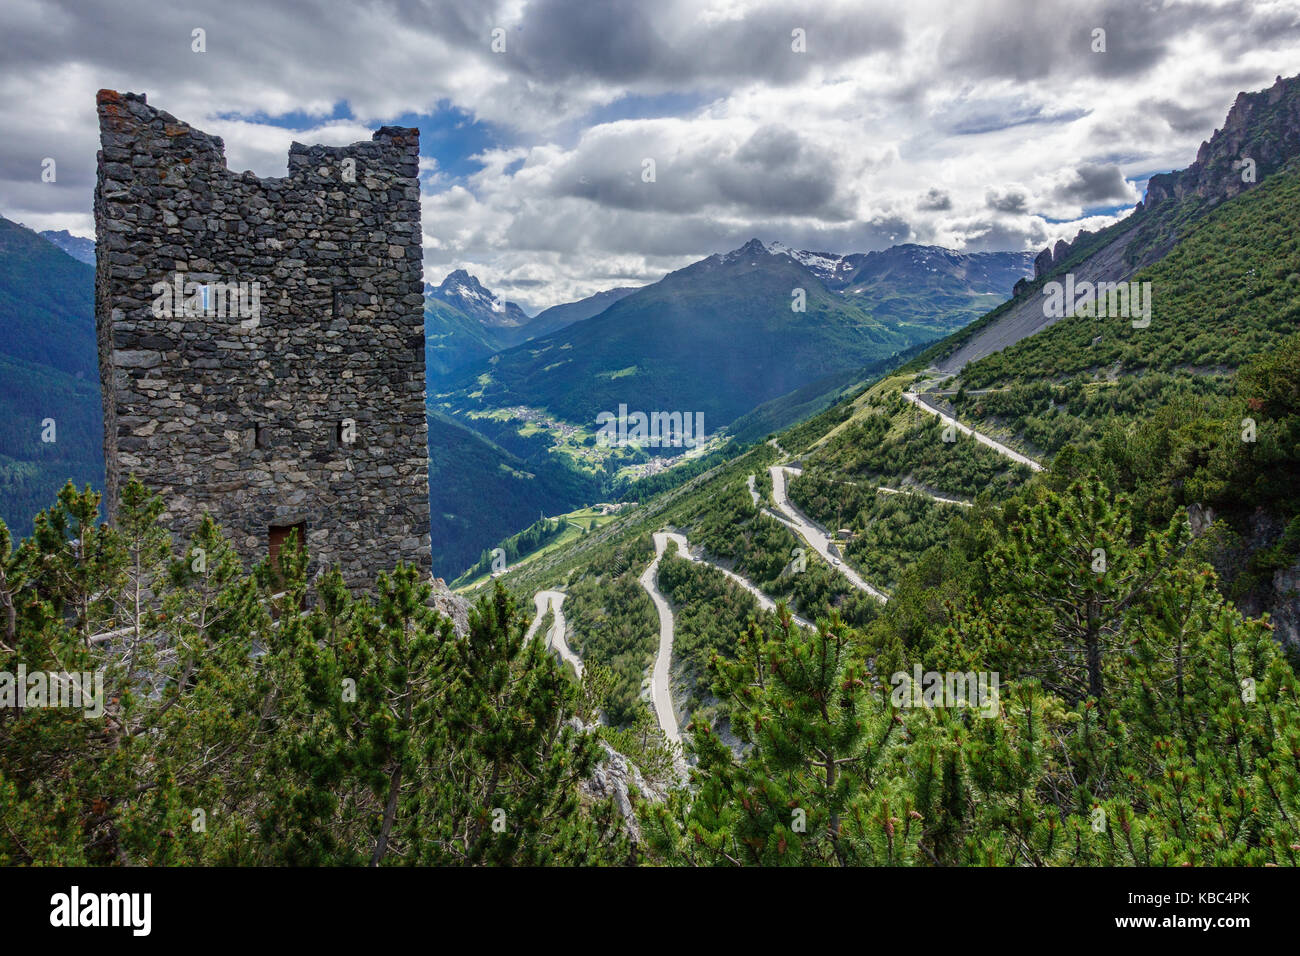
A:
x,y
261,341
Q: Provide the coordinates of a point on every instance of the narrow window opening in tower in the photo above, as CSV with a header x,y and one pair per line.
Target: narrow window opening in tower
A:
x,y
262,436
276,536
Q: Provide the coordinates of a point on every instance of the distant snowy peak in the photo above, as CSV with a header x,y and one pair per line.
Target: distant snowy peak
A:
x,y
465,292
79,248
975,272
460,283
749,249
826,266
856,272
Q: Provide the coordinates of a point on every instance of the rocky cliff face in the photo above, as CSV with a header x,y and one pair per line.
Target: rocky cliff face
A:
x,y
616,776
1275,593
1262,127
1284,606
1053,257
1260,134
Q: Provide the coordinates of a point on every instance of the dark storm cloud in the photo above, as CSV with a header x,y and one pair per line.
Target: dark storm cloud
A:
x,y
970,119
21,159
999,236
1184,119
936,200
1094,184
1250,27
1015,40
827,149
774,171
771,148
294,57
632,42
154,39
1012,201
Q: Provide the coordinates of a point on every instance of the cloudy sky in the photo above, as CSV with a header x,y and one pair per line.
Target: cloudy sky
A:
x,y
839,127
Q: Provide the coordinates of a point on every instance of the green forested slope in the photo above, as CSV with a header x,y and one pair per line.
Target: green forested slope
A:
x,y
1083,589
479,494
1228,291
49,370
1107,647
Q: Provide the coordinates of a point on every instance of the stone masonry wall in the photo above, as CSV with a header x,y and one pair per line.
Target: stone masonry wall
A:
x,y
246,414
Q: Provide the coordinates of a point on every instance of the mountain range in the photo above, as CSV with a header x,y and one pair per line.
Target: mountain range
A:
x,y
79,247
1262,127
958,579
465,323
737,329
721,338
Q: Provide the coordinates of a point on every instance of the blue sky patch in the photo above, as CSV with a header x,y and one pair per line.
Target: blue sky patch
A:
x,y
450,135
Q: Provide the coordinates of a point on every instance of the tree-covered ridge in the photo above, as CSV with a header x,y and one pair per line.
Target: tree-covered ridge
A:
x,y
710,613
1147,708
1139,718
537,535
731,529
884,440
480,493
52,428
1142,717
889,531
715,511
1229,290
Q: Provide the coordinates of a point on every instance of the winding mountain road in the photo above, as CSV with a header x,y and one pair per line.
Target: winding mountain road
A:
x,y
980,437
555,635
660,689
786,512
814,535
916,491
660,692
899,491
764,602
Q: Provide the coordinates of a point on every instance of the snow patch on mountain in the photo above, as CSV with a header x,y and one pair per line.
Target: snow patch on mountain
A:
x,y
464,291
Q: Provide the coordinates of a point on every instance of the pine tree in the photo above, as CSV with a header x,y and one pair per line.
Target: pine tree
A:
x,y
805,792
1065,577
501,783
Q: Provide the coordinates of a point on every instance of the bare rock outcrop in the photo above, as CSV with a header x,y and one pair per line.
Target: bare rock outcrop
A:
x,y
1262,127
617,777
451,605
